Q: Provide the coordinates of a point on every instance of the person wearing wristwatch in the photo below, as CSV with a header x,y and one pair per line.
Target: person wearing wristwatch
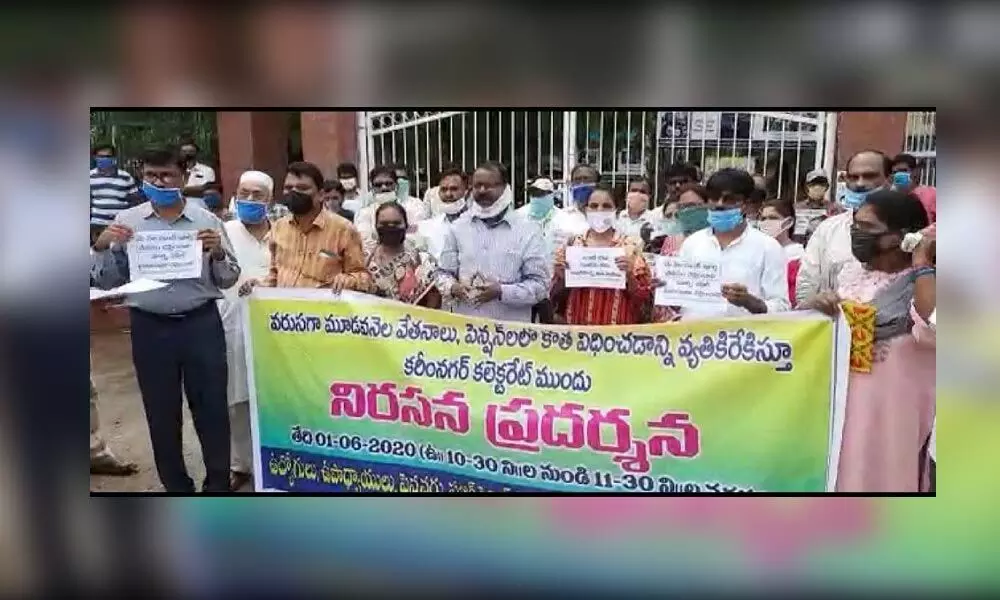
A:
x,y
887,296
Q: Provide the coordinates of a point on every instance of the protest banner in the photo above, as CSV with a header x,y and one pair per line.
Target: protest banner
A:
x,y
594,268
164,255
362,395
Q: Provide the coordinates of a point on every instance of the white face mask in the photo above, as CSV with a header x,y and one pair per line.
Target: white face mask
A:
x,y
600,220
452,208
488,212
774,228
349,183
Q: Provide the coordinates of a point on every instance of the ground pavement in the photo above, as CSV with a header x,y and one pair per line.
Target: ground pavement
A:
x,y
123,422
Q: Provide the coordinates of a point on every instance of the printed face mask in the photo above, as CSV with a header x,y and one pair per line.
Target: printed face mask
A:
x,y
600,220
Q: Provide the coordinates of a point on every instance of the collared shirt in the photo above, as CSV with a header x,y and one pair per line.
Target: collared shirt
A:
x,y
364,219
329,247
754,259
110,267
632,228
512,253
561,225
828,250
109,194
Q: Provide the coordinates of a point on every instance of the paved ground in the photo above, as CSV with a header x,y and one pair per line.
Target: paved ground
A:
x,y
123,422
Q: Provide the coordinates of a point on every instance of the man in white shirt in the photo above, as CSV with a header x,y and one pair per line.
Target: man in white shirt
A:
x,y
198,174
452,189
557,225
347,175
383,183
829,248
752,263
248,233
582,181
636,215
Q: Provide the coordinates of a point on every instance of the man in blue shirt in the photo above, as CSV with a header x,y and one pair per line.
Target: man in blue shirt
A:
x,y
177,336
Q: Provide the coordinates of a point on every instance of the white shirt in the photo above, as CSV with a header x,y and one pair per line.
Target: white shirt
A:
x,y
562,224
364,219
432,231
200,174
254,259
632,228
754,259
932,446
794,251
828,250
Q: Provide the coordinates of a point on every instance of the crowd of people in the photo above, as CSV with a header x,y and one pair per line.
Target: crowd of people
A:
x,y
865,250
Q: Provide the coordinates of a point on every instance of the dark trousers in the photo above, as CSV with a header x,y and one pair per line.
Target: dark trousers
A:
x,y
188,351
542,313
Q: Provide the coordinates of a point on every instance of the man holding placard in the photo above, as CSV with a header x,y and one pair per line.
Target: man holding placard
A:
x,y
177,334
600,277
727,268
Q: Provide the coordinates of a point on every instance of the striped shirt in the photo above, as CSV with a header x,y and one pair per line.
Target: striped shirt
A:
x,y
109,195
328,249
512,253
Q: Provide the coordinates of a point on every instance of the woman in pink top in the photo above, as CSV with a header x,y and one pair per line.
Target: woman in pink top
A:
x,y
891,388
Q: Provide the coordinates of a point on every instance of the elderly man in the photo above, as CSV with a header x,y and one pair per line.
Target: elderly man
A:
x,y
248,232
313,247
494,261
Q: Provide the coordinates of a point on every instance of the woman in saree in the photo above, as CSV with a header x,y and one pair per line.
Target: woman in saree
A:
x,y
887,297
400,270
601,306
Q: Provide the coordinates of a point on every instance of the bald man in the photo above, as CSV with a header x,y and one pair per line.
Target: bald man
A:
x,y
829,248
248,232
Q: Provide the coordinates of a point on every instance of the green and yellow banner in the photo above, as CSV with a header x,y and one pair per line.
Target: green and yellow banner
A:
x,y
357,395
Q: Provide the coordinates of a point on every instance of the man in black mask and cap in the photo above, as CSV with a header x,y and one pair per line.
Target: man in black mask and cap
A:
x,y
313,247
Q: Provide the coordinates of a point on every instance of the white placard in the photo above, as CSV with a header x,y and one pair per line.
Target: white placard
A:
x,y
688,282
594,268
164,255
804,217
135,287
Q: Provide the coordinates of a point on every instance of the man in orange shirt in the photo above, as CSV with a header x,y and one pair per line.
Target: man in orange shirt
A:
x,y
313,247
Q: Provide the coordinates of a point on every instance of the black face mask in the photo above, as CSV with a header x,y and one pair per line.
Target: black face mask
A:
x,y
390,235
298,203
864,244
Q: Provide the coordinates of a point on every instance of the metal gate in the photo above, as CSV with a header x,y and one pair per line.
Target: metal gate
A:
x,y
624,145
921,142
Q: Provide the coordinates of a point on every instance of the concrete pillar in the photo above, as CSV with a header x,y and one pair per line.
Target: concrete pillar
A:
x,y
857,130
252,140
329,138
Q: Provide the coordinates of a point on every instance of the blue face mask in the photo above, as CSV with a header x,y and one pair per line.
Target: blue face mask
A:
x,y
540,206
852,199
212,200
160,196
105,162
725,220
251,212
581,192
901,179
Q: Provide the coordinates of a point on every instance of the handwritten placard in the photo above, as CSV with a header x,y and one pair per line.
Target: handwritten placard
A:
x,y
165,255
594,268
688,282
804,218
